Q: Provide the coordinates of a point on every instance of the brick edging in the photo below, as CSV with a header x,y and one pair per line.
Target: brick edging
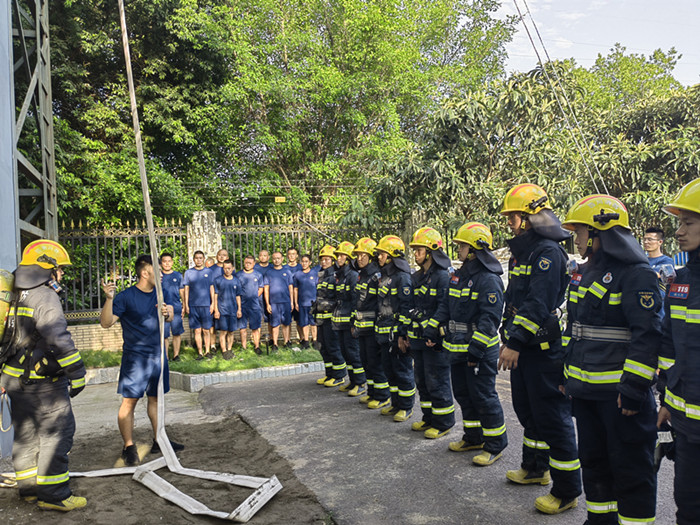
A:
x,y
196,382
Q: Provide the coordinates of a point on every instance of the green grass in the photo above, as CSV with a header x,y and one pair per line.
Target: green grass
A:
x,y
245,359
100,358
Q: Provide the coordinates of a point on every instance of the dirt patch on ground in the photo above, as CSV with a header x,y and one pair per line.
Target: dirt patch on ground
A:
x,y
227,446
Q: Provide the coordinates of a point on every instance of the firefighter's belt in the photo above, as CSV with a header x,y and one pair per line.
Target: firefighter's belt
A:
x,y
369,314
607,334
455,328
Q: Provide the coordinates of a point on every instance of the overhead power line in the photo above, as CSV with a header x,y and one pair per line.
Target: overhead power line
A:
x,y
556,97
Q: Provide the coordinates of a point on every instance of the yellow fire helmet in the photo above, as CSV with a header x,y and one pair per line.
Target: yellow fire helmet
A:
x,y
601,212
526,198
476,235
327,251
46,253
426,238
345,248
365,245
392,245
688,199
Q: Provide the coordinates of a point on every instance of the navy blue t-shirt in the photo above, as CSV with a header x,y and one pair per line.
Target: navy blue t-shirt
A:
x,y
250,284
216,271
294,269
199,282
173,283
227,290
279,281
306,283
138,314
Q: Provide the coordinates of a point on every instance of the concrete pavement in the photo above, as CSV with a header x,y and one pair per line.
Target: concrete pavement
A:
x,y
367,469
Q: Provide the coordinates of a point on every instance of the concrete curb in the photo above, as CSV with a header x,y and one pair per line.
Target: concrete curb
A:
x,y
196,382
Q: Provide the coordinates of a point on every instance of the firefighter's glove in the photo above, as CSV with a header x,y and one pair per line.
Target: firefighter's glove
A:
x,y
431,334
76,386
630,404
45,368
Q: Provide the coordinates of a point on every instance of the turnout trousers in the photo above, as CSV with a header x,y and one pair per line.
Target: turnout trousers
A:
x,y
686,489
399,372
330,350
350,350
482,415
371,357
549,441
44,428
617,458
431,368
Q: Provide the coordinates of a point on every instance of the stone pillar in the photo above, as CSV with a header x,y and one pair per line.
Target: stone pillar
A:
x,y
203,233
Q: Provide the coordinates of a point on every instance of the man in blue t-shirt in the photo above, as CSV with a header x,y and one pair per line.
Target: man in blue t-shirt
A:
x,y
294,266
137,310
263,266
278,296
653,241
199,303
252,286
217,270
305,283
172,282
227,307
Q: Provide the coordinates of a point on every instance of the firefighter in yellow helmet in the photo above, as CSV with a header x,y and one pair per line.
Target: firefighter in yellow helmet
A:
x,y
346,300
323,312
679,359
394,302
431,364
470,316
532,348
614,328
42,372
363,323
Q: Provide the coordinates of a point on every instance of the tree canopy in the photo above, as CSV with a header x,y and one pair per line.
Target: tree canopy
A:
x,y
245,100
640,145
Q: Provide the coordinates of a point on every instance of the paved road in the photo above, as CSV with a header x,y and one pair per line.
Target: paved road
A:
x,y
367,469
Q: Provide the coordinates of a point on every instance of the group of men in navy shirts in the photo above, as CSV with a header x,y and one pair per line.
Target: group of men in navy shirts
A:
x,y
219,298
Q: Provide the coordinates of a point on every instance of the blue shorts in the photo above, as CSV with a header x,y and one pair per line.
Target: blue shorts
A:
x,y
227,323
305,317
251,315
281,314
200,317
175,326
139,374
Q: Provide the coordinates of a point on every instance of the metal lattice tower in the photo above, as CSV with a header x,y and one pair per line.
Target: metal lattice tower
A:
x,y
27,170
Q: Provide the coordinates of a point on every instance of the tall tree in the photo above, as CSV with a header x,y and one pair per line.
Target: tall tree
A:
x,y
245,100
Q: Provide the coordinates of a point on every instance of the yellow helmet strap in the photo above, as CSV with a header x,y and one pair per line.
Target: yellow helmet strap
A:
x,y
523,220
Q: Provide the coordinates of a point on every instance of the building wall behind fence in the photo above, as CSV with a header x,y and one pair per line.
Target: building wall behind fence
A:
x,y
111,252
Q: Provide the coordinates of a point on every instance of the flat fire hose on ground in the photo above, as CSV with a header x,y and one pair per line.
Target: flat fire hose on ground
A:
x,y
265,488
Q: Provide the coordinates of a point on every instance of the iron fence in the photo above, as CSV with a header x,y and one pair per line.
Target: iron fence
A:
x,y
111,252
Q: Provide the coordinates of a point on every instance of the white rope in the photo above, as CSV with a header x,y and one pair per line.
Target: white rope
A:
x,y
570,128
265,488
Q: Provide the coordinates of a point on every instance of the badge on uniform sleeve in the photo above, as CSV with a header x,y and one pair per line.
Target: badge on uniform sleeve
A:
x,y
576,279
492,298
544,264
407,290
454,279
607,278
470,283
679,291
646,299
